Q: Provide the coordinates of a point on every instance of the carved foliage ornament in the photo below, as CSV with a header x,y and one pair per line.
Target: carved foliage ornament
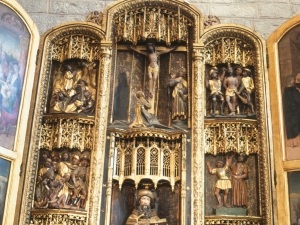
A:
x,y
157,23
240,137
70,133
229,50
76,46
50,217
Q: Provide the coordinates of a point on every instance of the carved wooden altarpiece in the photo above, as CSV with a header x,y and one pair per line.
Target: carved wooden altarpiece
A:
x,y
123,105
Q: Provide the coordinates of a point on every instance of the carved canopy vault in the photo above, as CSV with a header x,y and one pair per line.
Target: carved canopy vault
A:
x,y
125,106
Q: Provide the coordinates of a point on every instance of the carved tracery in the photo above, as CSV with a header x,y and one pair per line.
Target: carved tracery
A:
x,y
158,23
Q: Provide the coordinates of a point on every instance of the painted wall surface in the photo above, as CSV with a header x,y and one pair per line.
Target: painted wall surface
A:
x,y
262,16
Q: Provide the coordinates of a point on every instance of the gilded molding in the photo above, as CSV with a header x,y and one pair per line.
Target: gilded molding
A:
x,y
49,217
233,220
57,132
197,137
280,164
97,159
258,52
44,74
233,136
189,12
152,22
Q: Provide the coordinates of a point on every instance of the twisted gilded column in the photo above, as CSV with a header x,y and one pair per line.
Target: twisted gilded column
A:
x,y
198,136
97,159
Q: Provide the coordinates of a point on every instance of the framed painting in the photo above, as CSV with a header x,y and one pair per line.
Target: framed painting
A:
x,y
4,175
14,47
19,40
289,55
284,98
294,197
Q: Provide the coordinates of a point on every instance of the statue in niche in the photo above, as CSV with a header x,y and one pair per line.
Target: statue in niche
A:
x,y
214,84
153,68
223,182
245,91
178,95
239,175
142,117
177,91
231,84
143,213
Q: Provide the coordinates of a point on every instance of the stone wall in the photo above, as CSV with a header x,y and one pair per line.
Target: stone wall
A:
x,y
262,16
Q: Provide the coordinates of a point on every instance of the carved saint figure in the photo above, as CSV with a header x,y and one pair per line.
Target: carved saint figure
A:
x,y
245,91
223,182
153,68
45,175
80,177
178,96
231,84
142,117
239,174
214,84
143,211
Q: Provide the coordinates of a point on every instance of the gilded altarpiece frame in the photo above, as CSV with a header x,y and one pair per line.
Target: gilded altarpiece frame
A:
x,y
18,47
118,18
107,52
283,68
221,37
72,41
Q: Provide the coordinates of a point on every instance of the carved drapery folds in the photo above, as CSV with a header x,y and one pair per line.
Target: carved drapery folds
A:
x,y
224,137
67,132
152,22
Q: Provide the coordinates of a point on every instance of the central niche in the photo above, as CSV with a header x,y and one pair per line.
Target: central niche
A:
x,y
150,109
